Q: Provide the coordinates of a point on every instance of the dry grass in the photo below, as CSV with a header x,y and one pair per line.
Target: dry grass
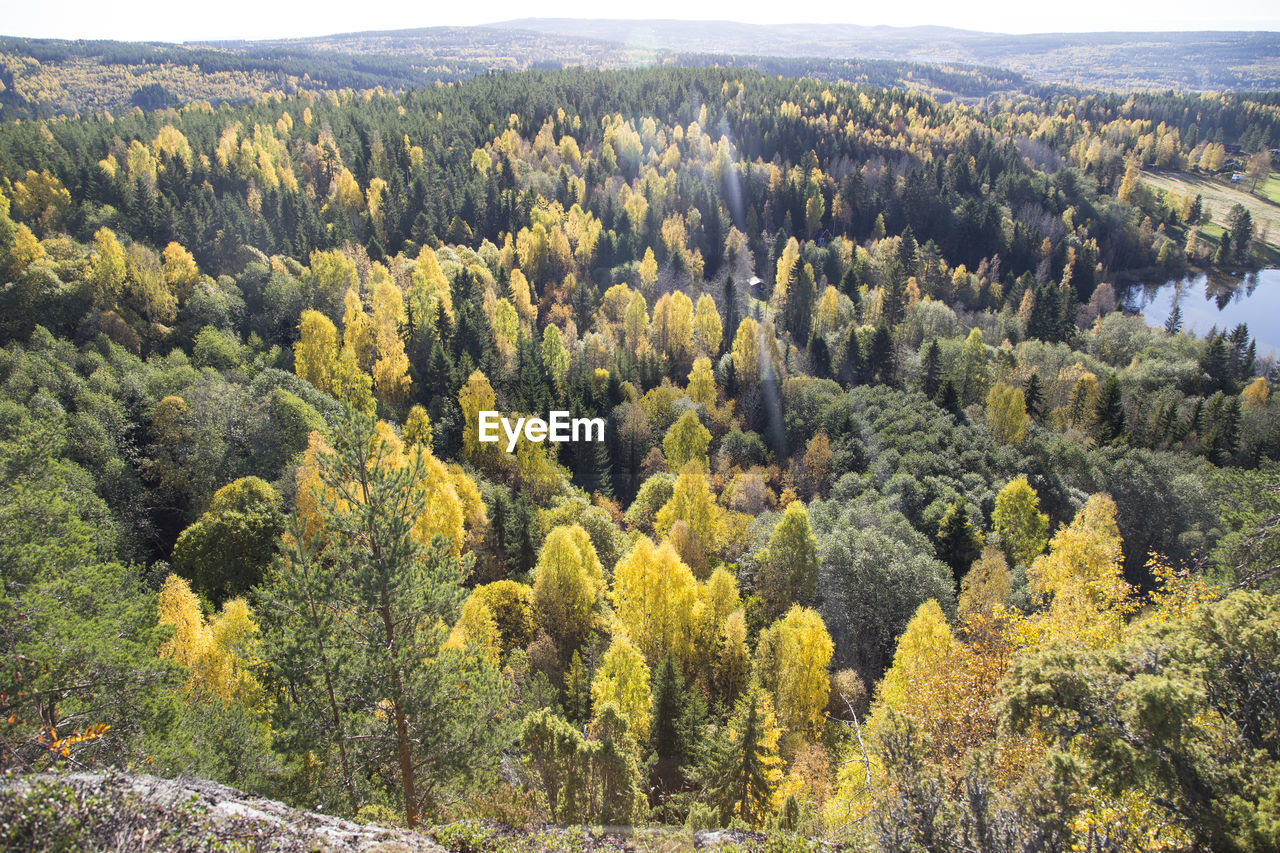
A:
x,y
1219,197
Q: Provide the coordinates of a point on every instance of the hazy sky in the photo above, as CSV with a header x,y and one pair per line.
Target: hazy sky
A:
x,y
193,20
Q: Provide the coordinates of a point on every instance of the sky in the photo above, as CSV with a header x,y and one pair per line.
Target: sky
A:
x,y
166,20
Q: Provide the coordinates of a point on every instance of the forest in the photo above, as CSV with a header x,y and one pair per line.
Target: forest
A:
x,y
904,534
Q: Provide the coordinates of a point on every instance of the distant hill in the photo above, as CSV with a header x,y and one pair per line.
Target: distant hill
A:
x,y
1188,61
41,77
48,76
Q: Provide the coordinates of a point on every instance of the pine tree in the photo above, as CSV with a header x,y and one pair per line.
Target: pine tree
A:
x,y
801,294
1197,210
819,357
385,599
1173,325
731,315
949,399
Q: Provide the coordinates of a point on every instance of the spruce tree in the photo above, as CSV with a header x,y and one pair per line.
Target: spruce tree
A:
x,y
1033,395
1109,420
931,370
882,360
745,768
852,366
958,544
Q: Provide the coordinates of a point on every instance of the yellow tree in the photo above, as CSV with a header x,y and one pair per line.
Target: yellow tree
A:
x,y
417,427
180,270
1082,581
733,657
635,322
702,383
653,595
328,278
785,271
673,325
25,251
623,679
357,331
220,653
352,385
947,690
475,397
693,504
826,319
1007,414
518,288
746,353
1256,394
648,269
568,586
686,441
315,355
792,657
1023,529
511,605
107,272
391,370
706,323
985,589
476,631
446,510
428,288
717,600
1129,183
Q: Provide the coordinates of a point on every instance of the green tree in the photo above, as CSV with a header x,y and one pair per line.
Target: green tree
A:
x,y
931,370
356,619
745,769
958,543
1108,421
787,570
1183,712
226,551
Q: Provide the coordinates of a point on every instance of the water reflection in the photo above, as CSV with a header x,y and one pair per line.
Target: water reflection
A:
x,y
1217,300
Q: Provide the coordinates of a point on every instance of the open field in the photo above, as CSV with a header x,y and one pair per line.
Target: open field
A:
x,y
1219,198
1270,188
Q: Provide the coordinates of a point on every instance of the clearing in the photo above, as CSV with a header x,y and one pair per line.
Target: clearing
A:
x,y
1219,197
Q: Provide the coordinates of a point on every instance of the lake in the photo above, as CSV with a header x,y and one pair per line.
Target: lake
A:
x,y
1216,300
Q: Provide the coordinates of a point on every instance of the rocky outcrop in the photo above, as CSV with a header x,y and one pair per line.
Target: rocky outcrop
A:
x,y
93,811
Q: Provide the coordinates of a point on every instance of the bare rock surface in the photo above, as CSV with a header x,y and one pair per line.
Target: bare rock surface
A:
x,y
96,811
